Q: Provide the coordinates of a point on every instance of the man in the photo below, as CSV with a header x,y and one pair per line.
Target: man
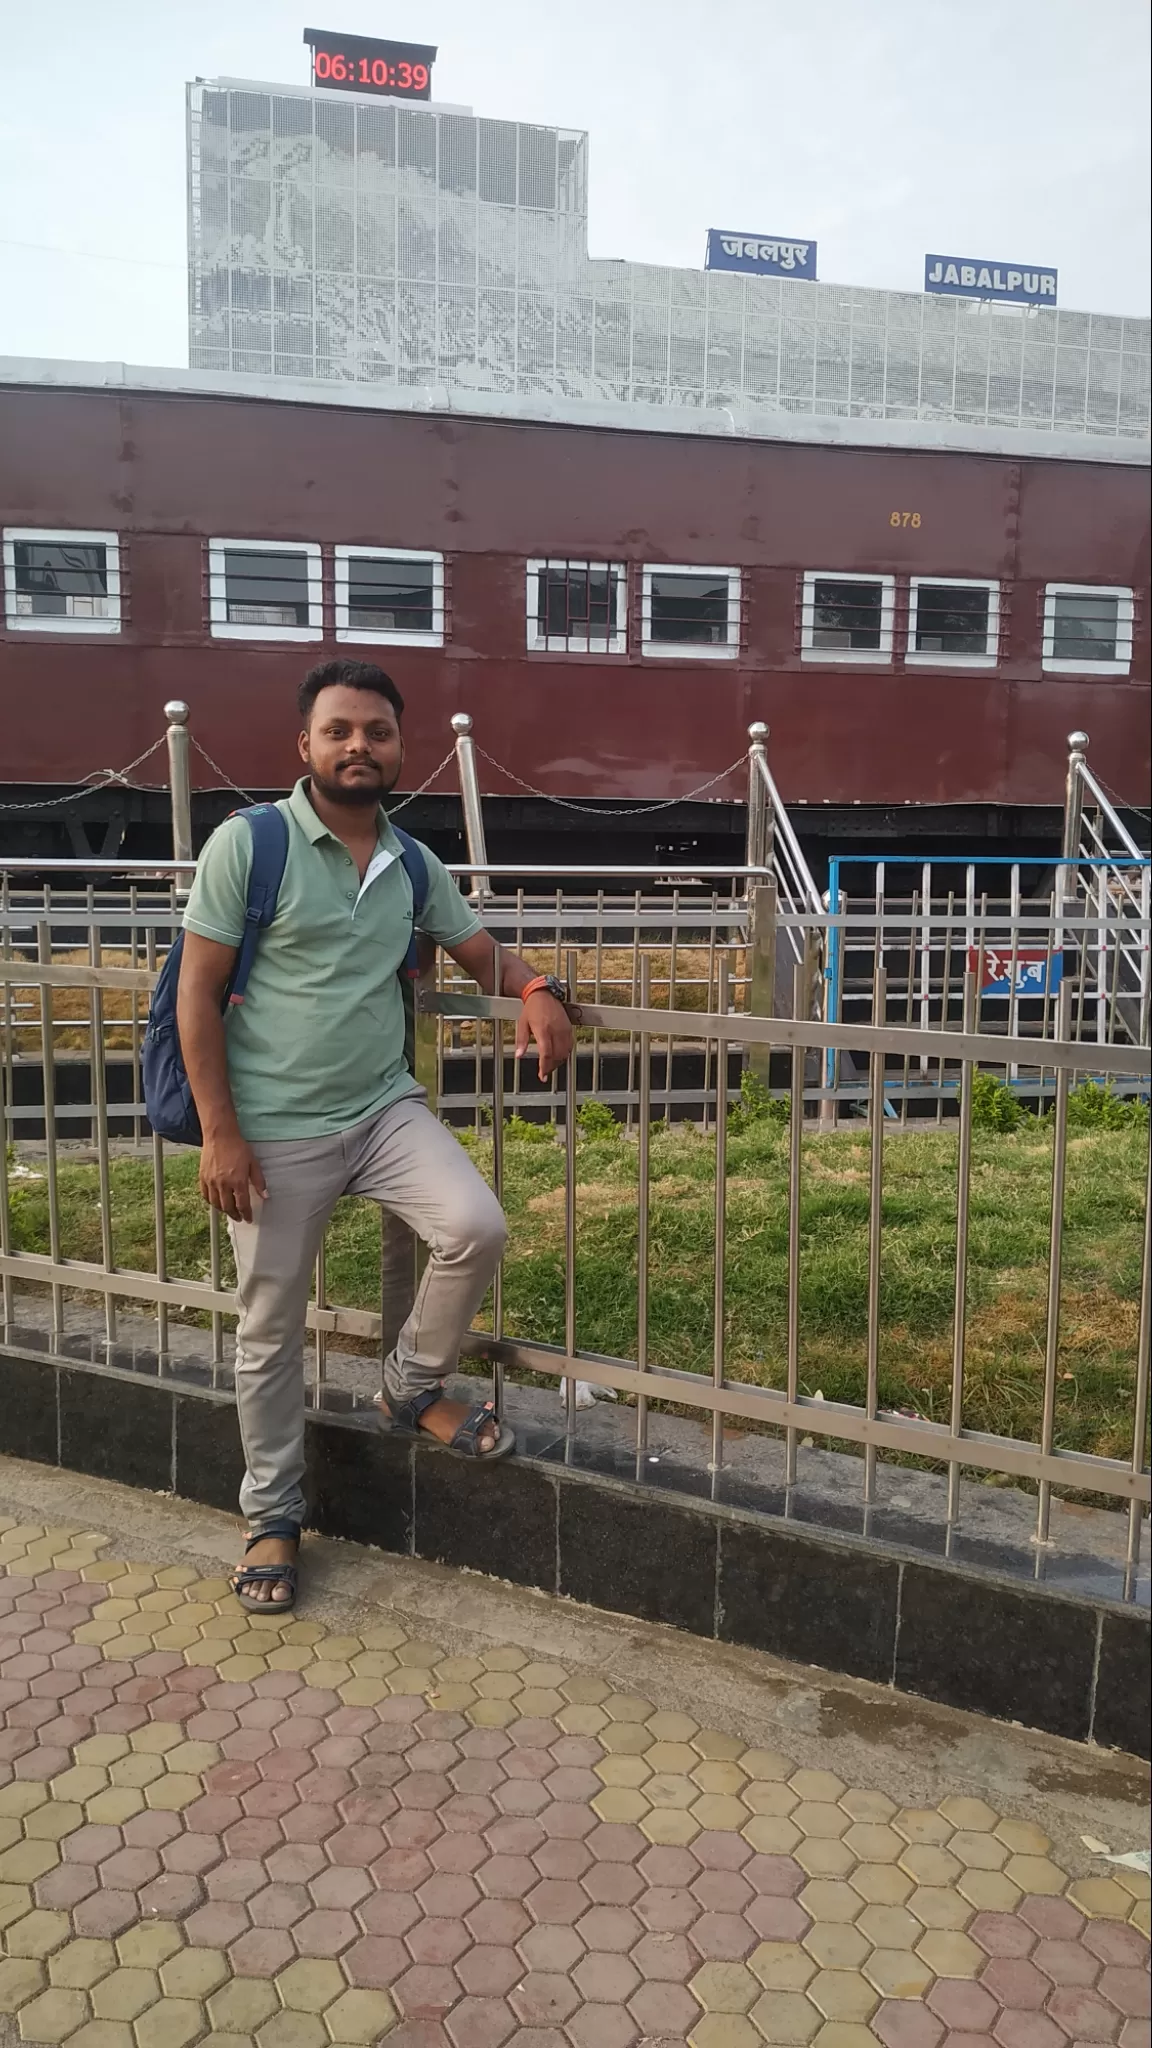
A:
x,y
303,1096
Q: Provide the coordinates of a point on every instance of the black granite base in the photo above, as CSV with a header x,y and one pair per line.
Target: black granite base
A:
x,y
965,1637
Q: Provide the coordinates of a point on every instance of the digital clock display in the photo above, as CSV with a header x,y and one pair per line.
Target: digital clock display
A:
x,y
400,71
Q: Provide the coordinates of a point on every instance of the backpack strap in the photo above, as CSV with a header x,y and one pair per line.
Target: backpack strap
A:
x,y
269,829
416,868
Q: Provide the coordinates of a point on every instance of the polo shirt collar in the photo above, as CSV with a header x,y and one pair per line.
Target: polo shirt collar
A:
x,y
314,828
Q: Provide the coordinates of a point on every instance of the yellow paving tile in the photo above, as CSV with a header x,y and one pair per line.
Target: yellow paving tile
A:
x,y
969,1813
1100,1898
717,1810
21,1977
897,1973
921,1824
147,1946
619,1803
24,1862
782,1966
310,1984
831,1899
242,2005
359,2017
193,1972
677,1757
713,1743
1036,1874
101,1749
771,1836
834,1946
80,1964
669,1827
867,1807
768,1795
37,1934
502,1657
939,1906
1023,1838
368,1692
671,1727
819,1817
726,1780
822,1858
135,1769
665,1789
53,2016
843,1995
872,1842
80,1783
581,1720
950,1954
113,1807
844,2034
890,1927
172,2023
978,1850
817,1785
173,1792
293,2030
15,1901
156,1738
626,1771
989,1891
624,1738
104,2034
882,1884
52,1822
628,1706
930,1865
785,2017
492,1713
22,1796
124,1994
453,1670
765,1764
725,1987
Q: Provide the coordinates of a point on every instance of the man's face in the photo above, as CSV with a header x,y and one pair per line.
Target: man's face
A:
x,y
352,749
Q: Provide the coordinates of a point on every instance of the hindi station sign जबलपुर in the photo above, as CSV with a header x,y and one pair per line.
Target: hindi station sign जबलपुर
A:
x,y
760,255
1015,284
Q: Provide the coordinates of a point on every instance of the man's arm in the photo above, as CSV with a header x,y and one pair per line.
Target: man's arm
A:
x,y
541,1018
229,1169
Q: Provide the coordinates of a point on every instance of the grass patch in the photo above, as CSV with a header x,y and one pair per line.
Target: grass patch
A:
x,y
1009,1235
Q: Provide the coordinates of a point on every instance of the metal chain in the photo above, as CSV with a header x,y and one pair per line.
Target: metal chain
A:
x,y
597,810
1124,806
226,781
100,778
405,801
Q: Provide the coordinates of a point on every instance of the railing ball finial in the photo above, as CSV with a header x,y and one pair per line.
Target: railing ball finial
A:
x,y
176,712
757,732
1079,740
461,723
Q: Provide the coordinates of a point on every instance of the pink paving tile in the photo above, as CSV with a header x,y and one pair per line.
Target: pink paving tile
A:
x,y
368,1806
357,1845
262,1952
250,1745
252,1838
1015,1981
1134,2034
514,1836
567,1820
476,1774
566,1857
40,1764
511,1877
437,1941
92,1844
1052,1917
324,1932
602,2026
500,1920
65,1886
665,1958
430,2034
957,2039
295,1862
543,1998
966,2007
217,1924
284,1766
667,1911
262,1712
340,1887
663,2012
1115,1943
723,1937
902,2023
459,1854
309,1823
278,1905
128,1869
401,1870
722,1891
551,1950
375,1961
277,1685
488,1972
171,1896
1002,1934
1028,2030
610,1884
605,1979
151,1830
612,1928
466,1812
777,1877
431,1756
212,1814
236,1777
425,1992
777,1919
1083,2013
480,2023
1065,1962
237,1878
616,1842
555,1900
104,1915
192,1854
1128,1990
520,1796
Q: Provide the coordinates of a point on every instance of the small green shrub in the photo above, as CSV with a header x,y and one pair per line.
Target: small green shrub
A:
x,y
1095,1108
994,1106
595,1121
521,1132
756,1105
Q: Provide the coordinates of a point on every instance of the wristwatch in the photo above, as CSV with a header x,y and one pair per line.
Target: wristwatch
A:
x,y
551,985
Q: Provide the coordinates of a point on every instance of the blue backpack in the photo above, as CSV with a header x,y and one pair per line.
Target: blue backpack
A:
x,y
167,1095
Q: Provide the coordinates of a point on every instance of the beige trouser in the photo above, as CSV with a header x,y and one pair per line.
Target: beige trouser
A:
x,y
405,1160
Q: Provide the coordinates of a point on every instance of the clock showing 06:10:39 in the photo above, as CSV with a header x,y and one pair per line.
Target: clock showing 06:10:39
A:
x,y
401,71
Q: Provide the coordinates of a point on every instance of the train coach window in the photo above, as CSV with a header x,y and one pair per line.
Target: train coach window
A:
x,y
1087,629
953,621
390,594
264,590
845,616
61,582
690,612
577,607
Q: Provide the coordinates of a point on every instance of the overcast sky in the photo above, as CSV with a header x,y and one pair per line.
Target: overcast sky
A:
x,y
1011,130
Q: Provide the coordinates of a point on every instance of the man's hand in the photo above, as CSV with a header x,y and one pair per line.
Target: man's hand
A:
x,y
546,1021
229,1171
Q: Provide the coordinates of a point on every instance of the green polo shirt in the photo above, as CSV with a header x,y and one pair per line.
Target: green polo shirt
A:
x,y
317,1044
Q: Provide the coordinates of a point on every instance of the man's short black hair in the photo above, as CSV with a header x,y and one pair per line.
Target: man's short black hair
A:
x,y
351,675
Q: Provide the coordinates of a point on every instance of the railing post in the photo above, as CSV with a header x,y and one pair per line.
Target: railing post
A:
x,y
761,966
470,800
761,824
1073,795
179,779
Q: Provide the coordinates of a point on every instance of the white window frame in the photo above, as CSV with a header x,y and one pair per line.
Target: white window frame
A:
x,y
689,650
929,659
223,628
1125,620
388,635
614,641
855,656
20,623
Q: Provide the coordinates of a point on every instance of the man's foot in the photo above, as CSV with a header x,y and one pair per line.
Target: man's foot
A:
x,y
268,1550
442,1418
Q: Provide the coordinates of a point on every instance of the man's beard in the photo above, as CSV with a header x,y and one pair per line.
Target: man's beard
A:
x,y
360,795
